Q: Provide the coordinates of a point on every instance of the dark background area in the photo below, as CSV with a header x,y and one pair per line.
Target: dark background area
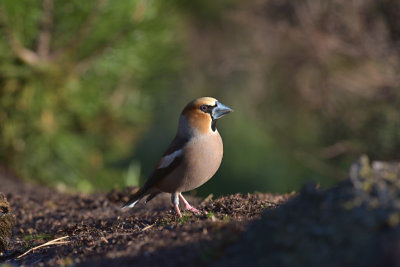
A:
x,y
91,91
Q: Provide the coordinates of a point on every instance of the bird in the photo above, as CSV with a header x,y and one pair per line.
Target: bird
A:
x,y
192,158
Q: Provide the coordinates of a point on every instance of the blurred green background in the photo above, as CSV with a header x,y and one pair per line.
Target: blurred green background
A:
x,y
91,91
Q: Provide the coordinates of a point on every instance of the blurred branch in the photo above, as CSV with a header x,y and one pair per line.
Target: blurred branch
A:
x,y
337,149
83,32
24,54
43,48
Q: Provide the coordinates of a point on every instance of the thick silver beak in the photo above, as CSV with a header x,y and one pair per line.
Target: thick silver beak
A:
x,y
220,110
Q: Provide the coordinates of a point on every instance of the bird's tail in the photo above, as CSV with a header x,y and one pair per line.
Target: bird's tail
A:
x,y
134,199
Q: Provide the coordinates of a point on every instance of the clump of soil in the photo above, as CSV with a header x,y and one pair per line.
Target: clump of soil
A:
x,y
6,223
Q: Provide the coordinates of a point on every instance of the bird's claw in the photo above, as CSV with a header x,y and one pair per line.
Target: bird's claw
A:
x,y
178,211
190,208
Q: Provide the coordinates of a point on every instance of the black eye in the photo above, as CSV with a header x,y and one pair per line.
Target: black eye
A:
x,y
203,108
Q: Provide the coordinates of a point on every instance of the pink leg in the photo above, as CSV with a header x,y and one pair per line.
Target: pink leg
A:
x,y
178,211
187,205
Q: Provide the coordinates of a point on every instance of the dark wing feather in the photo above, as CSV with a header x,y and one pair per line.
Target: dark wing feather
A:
x,y
159,173
176,144
152,195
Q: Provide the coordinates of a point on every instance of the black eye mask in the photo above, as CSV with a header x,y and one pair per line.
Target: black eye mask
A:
x,y
208,109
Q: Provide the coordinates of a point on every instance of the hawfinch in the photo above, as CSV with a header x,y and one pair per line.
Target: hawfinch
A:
x,y
191,159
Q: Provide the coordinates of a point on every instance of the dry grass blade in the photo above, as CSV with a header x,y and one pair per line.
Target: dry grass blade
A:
x,y
56,241
148,227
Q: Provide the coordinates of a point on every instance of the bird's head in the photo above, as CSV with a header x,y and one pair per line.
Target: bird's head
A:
x,y
202,114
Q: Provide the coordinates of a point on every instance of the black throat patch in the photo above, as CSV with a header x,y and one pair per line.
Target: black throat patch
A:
x,y
213,125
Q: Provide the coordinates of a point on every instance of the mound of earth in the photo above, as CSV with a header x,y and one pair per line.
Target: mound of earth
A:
x,y
356,223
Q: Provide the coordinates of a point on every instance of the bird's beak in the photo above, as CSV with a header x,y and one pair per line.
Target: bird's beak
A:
x,y
220,110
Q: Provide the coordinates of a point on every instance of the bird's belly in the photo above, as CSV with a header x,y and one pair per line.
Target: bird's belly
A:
x,y
201,172
194,171
186,178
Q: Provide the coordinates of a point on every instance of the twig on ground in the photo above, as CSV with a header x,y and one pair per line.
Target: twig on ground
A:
x,y
147,227
56,241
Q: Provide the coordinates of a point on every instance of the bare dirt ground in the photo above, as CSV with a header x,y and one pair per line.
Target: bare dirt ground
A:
x,y
356,223
101,234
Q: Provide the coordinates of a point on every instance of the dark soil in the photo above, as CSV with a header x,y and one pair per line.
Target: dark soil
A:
x,y
100,233
356,223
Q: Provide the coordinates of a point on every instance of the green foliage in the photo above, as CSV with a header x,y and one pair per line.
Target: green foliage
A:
x,y
185,218
74,105
210,215
42,236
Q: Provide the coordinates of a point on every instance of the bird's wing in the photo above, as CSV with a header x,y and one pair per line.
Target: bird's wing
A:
x,y
172,157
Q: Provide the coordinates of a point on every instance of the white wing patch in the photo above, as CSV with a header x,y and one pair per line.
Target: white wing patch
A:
x,y
131,205
168,159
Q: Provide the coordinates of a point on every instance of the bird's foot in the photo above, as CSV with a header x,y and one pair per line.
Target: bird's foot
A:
x,y
178,211
188,207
